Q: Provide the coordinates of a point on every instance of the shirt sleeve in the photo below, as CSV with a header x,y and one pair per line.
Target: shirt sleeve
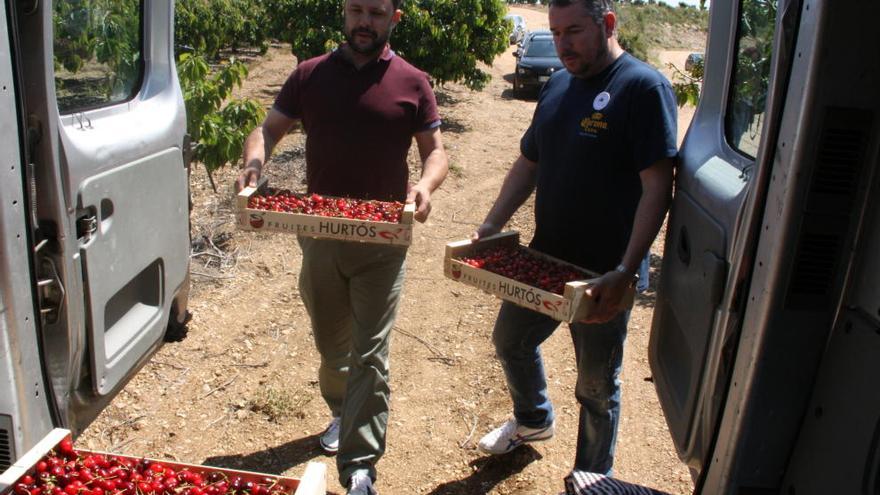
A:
x,y
528,144
288,99
428,115
654,127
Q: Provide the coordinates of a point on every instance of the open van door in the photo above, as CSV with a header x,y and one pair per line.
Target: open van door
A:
x,y
103,116
769,228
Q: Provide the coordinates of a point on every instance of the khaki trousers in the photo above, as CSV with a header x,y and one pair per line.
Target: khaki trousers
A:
x,y
351,291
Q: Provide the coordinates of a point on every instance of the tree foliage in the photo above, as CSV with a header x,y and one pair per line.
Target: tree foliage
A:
x,y
445,38
217,131
209,26
99,33
687,83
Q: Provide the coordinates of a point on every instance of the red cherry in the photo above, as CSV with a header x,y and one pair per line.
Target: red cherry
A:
x,y
66,448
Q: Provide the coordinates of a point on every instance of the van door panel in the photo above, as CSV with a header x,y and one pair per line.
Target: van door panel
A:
x,y
694,257
129,258
690,345
24,409
111,188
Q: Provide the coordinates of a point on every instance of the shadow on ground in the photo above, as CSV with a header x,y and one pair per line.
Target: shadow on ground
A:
x,y
488,472
274,460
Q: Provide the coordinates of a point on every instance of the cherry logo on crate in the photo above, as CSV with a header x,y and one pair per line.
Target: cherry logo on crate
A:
x,y
387,234
552,306
456,271
256,220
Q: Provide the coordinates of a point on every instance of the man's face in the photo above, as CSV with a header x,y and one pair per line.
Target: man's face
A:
x,y
368,24
582,45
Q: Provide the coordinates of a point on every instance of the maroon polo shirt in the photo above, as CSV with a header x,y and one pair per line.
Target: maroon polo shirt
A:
x,y
359,123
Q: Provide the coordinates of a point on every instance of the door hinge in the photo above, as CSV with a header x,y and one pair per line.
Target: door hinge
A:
x,y
86,227
50,290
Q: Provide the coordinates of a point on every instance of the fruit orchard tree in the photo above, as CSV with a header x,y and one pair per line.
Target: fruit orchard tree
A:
x,y
445,38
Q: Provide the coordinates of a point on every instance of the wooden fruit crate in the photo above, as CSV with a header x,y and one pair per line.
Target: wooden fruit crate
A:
x,y
313,481
345,229
572,305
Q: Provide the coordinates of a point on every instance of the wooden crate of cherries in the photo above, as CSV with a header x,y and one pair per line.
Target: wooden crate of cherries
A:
x,y
278,210
55,467
500,266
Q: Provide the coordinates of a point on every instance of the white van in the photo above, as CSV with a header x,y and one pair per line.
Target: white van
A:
x,y
765,344
94,224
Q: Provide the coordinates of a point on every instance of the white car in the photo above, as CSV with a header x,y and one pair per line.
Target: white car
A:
x,y
519,29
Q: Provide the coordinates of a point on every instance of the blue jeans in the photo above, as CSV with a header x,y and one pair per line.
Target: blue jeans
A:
x,y
518,335
644,271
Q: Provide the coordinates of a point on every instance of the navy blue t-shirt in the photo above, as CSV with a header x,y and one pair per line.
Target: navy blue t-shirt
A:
x,y
591,138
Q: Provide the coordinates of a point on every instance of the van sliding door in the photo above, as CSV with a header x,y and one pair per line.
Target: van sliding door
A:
x,y
693,333
111,185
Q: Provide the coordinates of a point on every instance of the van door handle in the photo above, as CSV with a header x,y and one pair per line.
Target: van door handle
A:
x,y
683,246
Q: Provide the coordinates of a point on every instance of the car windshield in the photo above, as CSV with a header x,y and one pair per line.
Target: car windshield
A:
x,y
541,47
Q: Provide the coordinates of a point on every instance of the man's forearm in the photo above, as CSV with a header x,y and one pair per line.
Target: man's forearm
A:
x,y
649,218
650,213
257,148
435,166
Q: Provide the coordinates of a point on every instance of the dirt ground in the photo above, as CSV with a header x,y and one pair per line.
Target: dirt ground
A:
x,y
241,390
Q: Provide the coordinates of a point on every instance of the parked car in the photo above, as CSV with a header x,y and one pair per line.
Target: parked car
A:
x,y
536,62
519,29
692,61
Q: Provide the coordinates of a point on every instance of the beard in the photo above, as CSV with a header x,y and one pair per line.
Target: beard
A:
x,y
588,66
371,48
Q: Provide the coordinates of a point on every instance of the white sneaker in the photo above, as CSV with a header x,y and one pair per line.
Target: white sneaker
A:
x,y
361,484
329,440
511,435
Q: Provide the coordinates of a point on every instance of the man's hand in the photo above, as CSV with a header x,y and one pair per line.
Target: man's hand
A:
x,y
485,230
608,293
421,196
249,177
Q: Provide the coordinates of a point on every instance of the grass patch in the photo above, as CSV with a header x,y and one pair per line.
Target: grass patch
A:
x,y
278,404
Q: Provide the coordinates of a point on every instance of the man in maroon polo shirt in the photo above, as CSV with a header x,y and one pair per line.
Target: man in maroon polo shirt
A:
x,y
361,106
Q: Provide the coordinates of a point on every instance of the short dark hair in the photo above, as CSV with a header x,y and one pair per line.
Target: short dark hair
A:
x,y
396,3
596,8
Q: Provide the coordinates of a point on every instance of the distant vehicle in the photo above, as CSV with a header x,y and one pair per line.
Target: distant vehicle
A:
x,y
692,61
519,30
536,62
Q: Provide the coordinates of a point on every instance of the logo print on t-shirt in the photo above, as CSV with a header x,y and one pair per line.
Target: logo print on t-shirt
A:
x,y
601,100
594,124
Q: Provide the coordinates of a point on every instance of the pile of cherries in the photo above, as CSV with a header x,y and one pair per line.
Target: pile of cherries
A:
x,y
520,264
64,471
314,204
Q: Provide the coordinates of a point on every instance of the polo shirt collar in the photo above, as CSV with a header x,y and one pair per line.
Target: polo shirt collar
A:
x,y
386,56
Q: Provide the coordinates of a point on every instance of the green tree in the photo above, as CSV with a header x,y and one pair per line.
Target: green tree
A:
x,y
218,132
445,38
209,26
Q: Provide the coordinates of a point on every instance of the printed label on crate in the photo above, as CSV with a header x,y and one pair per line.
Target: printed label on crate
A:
x,y
515,292
325,228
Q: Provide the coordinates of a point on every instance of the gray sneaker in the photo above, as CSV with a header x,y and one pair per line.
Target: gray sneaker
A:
x,y
361,484
511,435
329,440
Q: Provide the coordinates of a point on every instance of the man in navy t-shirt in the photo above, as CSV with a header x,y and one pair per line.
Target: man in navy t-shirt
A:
x,y
599,157
361,106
